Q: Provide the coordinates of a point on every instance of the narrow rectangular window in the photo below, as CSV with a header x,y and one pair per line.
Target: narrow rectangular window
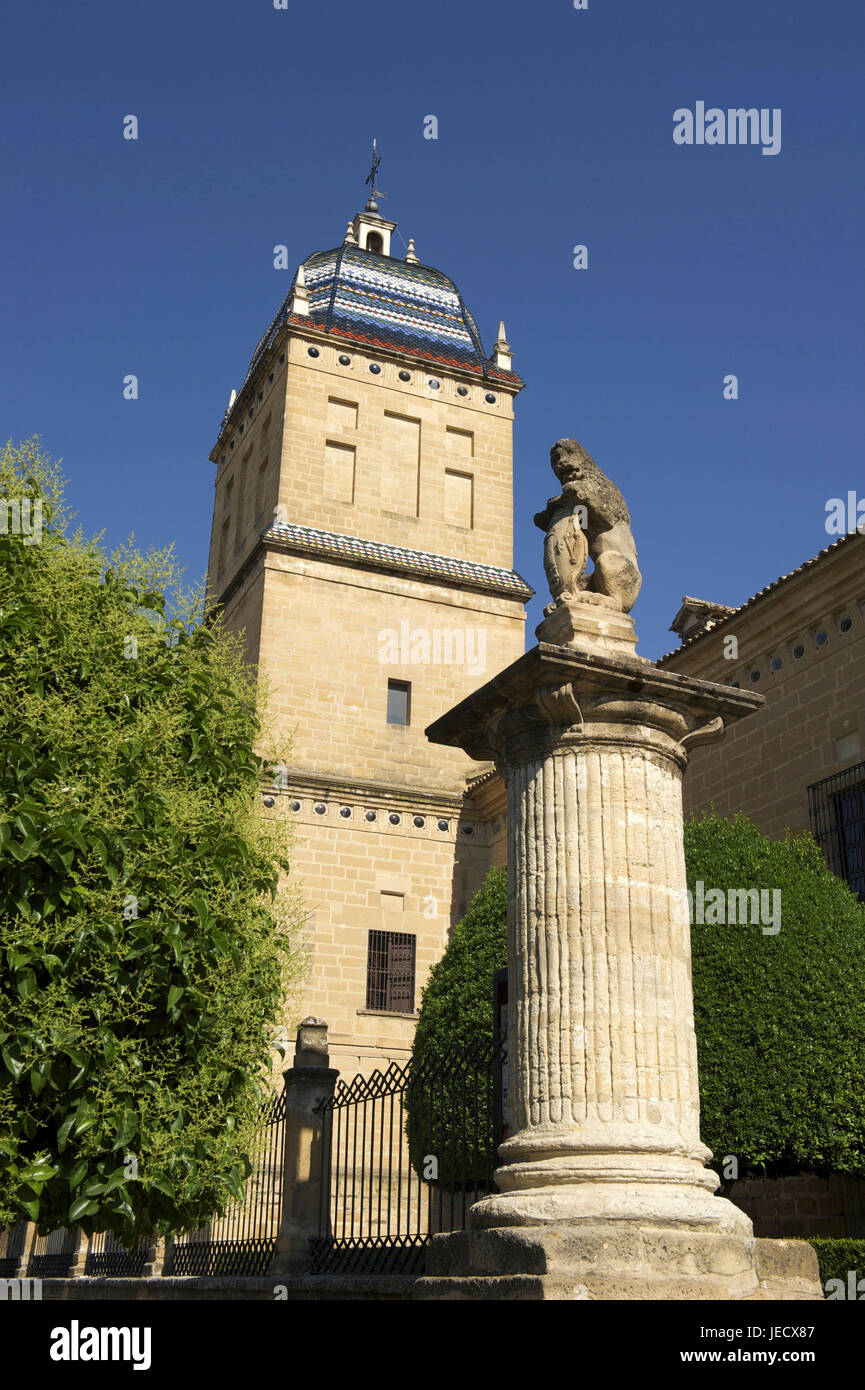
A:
x,y
341,415
239,528
223,546
398,702
390,972
459,499
227,498
339,462
400,467
460,443
259,490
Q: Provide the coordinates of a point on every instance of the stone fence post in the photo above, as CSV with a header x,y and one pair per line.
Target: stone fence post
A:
x,y
79,1256
19,1247
308,1082
154,1259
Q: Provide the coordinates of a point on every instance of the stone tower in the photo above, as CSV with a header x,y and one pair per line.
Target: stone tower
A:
x,y
363,541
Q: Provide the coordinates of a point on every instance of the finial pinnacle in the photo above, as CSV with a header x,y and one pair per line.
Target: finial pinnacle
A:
x,y
502,355
374,193
300,295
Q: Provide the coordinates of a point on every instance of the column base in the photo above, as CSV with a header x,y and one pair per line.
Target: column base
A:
x,y
587,1179
617,1261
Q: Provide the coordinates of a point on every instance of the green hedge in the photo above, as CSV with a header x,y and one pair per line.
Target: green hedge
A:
x,y
837,1258
457,1005
457,1014
780,1017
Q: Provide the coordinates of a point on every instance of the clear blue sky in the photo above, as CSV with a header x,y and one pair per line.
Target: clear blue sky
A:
x,y
555,128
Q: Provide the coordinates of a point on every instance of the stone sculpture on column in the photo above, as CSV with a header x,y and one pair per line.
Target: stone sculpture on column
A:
x,y
603,1192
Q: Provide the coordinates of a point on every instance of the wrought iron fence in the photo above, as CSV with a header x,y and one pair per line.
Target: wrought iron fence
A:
x,y
244,1240
52,1256
12,1242
106,1255
837,809
241,1242
404,1154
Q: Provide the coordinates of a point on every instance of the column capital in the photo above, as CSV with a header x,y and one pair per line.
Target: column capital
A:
x,y
560,696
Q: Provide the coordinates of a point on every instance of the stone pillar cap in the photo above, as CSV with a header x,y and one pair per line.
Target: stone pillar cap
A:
x,y
311,1047
691,703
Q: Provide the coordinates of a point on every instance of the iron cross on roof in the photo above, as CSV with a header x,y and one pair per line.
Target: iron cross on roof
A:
x,y
370,178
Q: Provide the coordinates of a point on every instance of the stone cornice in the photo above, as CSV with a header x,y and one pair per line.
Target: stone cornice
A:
x,y
337,787
306,330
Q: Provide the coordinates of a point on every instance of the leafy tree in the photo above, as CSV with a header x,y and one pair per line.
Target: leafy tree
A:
x,y
145,946
780,1017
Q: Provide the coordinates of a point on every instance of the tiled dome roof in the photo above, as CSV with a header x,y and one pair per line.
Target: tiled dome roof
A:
x,y
383,302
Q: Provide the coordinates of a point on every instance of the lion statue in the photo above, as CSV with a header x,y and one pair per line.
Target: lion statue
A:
x,y
587,521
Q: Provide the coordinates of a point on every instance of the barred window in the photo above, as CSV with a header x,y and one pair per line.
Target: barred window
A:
x,y
390,971
837,810
849,808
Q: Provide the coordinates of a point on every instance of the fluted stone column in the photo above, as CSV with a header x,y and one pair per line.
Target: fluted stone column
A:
x,y
603,1186
604,1098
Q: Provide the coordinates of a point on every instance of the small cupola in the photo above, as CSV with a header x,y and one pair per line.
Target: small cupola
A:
x,y
372,232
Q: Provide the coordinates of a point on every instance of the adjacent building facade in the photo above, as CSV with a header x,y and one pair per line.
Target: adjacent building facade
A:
x,y
798,763
363,542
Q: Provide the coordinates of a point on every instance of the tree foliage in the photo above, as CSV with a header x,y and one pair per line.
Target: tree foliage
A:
x,y
780,1017
145,946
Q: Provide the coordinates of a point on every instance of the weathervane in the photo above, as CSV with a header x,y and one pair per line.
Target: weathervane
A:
x,y
370,178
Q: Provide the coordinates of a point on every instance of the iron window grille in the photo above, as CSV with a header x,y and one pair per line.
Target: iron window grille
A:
x,y
390,972
836,806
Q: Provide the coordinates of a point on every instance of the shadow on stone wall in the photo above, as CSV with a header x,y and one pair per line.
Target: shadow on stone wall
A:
x,y
804,1205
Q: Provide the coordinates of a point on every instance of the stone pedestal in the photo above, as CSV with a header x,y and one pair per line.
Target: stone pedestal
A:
x,y
307,1083
603,1186
591,623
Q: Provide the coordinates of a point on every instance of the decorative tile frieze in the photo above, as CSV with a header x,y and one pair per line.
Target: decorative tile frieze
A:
x,y
308,540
